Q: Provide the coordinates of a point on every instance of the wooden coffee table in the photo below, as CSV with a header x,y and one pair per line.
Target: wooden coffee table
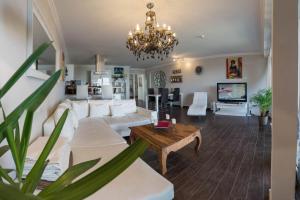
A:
x,y
168,140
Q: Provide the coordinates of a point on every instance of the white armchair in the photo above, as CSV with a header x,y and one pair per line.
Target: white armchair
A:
x,y
199,106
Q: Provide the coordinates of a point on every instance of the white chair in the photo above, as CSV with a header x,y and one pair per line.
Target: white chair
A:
x,y
199,106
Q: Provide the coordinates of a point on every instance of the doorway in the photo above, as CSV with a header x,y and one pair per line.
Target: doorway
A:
x,y
137,86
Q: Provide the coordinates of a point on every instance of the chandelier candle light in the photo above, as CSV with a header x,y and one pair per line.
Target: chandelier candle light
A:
x,y
154,41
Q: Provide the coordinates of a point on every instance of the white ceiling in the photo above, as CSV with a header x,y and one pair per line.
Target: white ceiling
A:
x,y
101,26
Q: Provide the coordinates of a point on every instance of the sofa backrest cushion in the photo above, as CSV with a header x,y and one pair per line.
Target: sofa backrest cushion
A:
x,y
67,103
118,110
81,108
68,128
127,106
108,102
102,102
74,117
72,113
48,126
99,110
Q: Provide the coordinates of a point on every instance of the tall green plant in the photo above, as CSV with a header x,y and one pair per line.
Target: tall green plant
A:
x,y
263,99
18,145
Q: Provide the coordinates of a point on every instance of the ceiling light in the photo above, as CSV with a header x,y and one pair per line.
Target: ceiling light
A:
x,y
202,36
178,59
152,41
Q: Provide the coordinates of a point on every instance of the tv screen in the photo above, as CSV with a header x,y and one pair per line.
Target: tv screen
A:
x,y
232,92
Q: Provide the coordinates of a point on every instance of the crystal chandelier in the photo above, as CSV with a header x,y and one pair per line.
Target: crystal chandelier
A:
x,y
154,41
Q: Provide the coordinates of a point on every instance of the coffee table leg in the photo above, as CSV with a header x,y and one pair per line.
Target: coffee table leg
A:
x,y
198,144
132,138
163,161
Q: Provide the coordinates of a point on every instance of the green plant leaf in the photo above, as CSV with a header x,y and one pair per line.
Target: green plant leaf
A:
x,y
36,177
24,67
89,184
35,174
263,99
13,148
4,174
17,136
67,178
25,137
3,150
31,103
8,170
3,112
9,192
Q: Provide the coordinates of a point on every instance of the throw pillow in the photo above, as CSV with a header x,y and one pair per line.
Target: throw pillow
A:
x,y
72,114
128,106
68,128
81,108
99,110
118,110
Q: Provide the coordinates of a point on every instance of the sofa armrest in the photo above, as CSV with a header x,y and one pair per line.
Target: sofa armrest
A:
x,y
49,126
147,113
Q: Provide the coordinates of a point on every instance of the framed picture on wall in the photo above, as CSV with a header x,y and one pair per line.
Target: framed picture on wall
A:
x,y
234,68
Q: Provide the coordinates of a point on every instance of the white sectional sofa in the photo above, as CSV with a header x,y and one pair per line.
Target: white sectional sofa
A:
x,y
98,135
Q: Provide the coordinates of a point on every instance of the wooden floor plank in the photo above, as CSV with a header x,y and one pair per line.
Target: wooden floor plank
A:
x,y
233,163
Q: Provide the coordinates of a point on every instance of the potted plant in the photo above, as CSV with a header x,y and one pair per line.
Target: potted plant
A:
x,y
66,186
263,99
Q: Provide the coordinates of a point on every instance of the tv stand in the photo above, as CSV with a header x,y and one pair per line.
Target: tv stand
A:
x,y
233,109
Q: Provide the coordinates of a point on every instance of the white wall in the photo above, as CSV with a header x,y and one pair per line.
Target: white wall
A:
x,y
70,76
214,70
82,72
13,40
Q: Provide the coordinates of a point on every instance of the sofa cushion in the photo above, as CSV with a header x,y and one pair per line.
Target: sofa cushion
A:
x,y
139,181
150,114
128,106
99,110
106,102
48,126
75,119
72,113
68,128
81,108
118,110
68,102
94,132
122,123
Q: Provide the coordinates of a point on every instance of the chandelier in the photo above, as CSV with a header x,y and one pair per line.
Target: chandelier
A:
x,y
154,41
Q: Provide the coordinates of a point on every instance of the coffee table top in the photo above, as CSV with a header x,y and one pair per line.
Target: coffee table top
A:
x,y
165,137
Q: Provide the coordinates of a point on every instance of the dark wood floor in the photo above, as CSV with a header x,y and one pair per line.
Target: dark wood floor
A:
x,y
234,161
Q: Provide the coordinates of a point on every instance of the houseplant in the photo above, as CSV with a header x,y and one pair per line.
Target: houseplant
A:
x,y
18,143
263,99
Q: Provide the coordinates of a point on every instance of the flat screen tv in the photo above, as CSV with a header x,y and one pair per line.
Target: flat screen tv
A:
x,y
232,92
